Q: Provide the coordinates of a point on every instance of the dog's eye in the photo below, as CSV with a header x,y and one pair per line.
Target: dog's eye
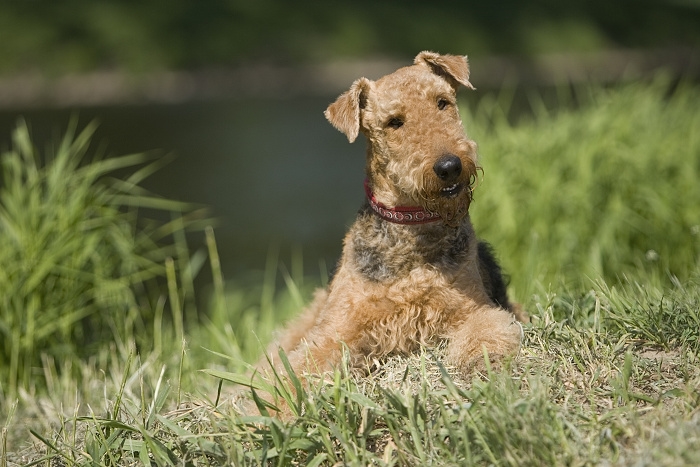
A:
x,y
395,123
442,103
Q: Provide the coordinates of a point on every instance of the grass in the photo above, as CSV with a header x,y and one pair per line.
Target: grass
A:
x,y
607,190
79,256
609,372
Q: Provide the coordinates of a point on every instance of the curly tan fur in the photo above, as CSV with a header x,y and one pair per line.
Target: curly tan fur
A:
x,y
398,287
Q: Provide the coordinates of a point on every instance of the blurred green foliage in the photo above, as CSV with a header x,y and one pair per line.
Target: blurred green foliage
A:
x,y
82,262
608,190
62,36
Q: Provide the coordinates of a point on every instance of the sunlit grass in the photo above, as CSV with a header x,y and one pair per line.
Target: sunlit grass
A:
x,y
577,395
594,213
606,189
79,257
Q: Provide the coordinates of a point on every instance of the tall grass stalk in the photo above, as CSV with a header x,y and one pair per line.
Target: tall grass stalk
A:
x,y
78,259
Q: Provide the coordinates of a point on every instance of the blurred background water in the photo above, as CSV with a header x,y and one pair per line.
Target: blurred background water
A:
x,y
235,90
273,172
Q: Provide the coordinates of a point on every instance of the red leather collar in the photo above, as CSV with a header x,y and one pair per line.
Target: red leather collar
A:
x,y
406,215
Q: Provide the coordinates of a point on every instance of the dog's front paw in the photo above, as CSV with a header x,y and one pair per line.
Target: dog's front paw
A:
x,y
485,340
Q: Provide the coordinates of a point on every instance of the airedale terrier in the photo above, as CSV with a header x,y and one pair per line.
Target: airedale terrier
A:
x,y
412,271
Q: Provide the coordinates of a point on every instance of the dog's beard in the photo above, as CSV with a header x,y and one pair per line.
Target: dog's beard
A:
x,y
453,209
452,204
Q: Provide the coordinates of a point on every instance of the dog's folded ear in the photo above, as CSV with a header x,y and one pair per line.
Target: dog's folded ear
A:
x,y
454,68
344,113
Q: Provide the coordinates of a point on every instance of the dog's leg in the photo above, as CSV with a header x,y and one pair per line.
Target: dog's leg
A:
x,y
487,329
301,325
491,274
293,342
495,284
291,337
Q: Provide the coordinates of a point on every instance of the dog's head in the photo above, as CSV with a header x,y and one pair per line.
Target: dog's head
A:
x,y
418,151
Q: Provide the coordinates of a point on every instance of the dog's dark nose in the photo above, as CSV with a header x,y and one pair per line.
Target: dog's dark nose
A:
x,y
448,168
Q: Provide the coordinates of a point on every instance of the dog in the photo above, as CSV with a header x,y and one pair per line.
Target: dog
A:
x,y
412,271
